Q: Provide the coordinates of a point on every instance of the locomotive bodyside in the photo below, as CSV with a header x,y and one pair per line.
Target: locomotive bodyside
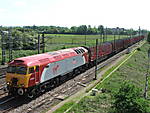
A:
x,y
37,70
61,67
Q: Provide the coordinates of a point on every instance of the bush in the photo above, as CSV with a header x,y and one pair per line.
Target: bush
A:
x,y
128,100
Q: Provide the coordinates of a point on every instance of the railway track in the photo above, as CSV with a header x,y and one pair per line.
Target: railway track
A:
x,y
7,100
2,84
56,95
2,79
6,104
3,71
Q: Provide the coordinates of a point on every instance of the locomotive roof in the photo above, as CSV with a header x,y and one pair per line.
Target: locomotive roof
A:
x,y
45,58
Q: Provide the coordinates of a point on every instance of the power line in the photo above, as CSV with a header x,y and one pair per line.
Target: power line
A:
x,y
96,59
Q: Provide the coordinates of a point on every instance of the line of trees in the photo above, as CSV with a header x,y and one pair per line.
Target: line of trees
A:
x,y
26,37
81,30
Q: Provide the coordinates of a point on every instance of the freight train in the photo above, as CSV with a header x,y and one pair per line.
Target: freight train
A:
x,y
33,74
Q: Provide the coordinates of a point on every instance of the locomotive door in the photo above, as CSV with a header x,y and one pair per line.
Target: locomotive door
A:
x,y
36,74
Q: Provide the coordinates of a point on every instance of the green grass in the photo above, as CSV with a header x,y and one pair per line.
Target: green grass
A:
x,y
92,104
77,39
133,70
67,105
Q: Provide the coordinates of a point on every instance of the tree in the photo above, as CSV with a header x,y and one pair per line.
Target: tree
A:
x,y
89,30
82,29
148,38
128,100
74,29
101,29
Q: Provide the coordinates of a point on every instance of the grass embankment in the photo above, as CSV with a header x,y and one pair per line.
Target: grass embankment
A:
x,y
133,70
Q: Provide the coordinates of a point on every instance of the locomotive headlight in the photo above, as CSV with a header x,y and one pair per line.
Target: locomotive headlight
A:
x,y
22,85
8,83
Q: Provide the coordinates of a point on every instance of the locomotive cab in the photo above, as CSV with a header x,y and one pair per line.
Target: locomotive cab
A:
x,y
16,76
20,78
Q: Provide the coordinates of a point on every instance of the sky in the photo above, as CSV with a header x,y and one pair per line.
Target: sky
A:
x,y
67,13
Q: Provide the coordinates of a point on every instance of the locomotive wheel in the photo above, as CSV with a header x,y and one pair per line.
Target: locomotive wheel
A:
x,y
42,88
31,94
20,91
56,82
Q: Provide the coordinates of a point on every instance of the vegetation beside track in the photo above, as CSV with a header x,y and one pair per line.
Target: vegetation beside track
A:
x,y
133,70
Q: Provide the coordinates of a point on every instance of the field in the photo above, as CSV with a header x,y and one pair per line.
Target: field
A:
x,y
60,41
55,42
133,70
78,39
